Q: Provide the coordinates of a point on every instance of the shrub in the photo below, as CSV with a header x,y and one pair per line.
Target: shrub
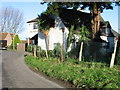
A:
x,y
51,53
118,56
30,48
15,41
74,53
57,50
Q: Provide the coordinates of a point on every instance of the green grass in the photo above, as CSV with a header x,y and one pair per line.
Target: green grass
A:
x,y
80,74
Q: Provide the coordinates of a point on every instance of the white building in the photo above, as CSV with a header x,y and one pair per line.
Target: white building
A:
x,y
55,34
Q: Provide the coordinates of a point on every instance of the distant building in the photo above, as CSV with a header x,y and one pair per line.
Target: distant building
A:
x,y
7,36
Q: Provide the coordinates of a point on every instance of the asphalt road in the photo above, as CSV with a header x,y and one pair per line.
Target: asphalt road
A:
x,y
15,73
0,69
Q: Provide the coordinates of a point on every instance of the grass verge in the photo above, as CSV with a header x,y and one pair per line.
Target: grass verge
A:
x,y
80,74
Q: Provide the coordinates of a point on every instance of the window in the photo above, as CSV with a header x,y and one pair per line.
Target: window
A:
x,y
34,26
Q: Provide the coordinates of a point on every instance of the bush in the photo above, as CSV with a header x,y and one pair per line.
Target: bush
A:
x,y
118,56
15,40
40,52
74,53
30,48
57,50
51,53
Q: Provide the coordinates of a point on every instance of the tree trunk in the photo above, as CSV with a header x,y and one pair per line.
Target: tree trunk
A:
x,y
98,19
35,51
95,13
62,49
46,41
62,58
92,22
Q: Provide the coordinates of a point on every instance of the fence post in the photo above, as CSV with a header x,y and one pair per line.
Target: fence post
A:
x,y
34,50
62,58
39,51
80,53
113,55
31,48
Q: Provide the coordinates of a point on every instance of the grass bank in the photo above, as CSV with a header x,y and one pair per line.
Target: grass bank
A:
x,y
80,74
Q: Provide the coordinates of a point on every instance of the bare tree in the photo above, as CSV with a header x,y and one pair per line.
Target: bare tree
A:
x,y
11,20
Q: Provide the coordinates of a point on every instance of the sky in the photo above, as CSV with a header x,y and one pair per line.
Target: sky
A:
x,y
32,9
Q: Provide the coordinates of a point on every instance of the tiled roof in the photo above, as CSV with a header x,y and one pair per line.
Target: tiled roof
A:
x,y
3,35
12,34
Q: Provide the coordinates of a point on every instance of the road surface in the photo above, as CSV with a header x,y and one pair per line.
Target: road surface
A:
x,y
0,69
15,73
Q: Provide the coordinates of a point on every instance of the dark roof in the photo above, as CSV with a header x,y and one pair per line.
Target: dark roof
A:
x,y
116,34
78,18
106,24
72,17
33,20
34,37
3,36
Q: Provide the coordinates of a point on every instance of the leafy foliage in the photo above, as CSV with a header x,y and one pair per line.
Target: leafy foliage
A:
x,y
70,35
118,56
15,41
84,33
41,53
95,9
30,48
45,22
57,50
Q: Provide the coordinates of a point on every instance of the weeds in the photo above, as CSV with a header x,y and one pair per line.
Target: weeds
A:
x,y
80,74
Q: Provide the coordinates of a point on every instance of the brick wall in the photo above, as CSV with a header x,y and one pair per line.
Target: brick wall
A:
x,y
21,47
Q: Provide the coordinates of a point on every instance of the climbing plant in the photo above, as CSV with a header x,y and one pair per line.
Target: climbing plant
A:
x,y
70,35
84,33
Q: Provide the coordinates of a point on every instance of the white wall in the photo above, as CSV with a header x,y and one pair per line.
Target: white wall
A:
x,y
41,40
55,36
32,31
